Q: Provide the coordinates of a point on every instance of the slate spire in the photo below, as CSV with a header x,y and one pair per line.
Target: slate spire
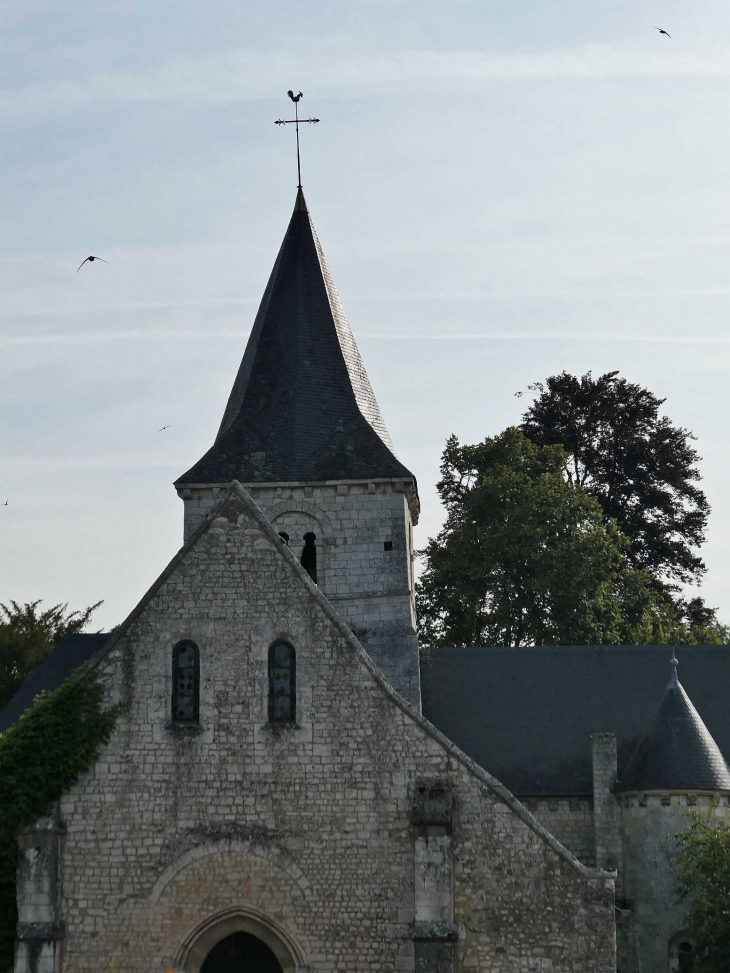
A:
x,y
302,407
678,752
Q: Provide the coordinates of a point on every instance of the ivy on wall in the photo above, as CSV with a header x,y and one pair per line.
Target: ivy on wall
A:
x,y
42,756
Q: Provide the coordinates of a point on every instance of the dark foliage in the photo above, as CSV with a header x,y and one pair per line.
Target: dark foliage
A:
x,y
639,466
702,869
526,558
41,757
27,635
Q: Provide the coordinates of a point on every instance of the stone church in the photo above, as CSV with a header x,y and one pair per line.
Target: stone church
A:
x,y
293,788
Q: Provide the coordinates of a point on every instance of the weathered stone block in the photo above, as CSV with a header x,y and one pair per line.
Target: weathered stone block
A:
x,y
435,957
432,802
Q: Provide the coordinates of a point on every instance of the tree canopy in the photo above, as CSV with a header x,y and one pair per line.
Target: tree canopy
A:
x,y
525,558
702,868
27,635
640,467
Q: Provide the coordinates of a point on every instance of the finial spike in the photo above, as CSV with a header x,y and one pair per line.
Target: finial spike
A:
x,y
673,662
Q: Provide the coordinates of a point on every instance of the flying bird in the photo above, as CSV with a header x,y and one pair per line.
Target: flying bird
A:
x,y
294,97
5,504
91,259
661,31
163,429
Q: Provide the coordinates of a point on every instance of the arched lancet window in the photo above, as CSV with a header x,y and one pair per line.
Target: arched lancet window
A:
x,y
309,556
185,682
686,955
284,537
282,683
682,953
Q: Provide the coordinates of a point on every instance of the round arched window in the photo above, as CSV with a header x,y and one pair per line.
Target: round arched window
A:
x,y
282,683
185,682
686,956
682,953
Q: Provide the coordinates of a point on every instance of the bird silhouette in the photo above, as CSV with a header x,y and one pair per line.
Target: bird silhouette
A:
x,y
661,31
5,504
91,258
163,429
294,97
518,395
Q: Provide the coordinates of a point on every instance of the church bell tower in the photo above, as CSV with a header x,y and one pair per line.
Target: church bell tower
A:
x,y
303,432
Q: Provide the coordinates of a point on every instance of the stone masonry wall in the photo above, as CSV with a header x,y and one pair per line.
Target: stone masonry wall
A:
x,y
606,808
305,827
370,586
570,820
649,823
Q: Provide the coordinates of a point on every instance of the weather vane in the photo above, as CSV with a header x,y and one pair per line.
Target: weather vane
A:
x,y
295,121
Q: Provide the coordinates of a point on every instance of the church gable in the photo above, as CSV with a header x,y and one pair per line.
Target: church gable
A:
x,y
233,594
345,833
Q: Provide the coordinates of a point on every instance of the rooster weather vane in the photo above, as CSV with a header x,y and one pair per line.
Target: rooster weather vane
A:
x,y
295,122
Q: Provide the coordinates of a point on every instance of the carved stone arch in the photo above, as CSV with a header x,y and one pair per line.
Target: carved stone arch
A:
x,y
194,951
307,525
301,506
278,857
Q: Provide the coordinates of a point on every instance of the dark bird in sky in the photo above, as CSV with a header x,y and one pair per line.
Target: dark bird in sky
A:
x,y
663,32
91,259
163,429
518,395
295,97
5,504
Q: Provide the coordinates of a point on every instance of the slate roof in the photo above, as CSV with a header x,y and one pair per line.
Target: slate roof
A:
x,y
68,654
527,715
302,407
678,752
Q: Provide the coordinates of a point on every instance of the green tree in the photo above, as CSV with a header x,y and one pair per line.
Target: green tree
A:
x,y
639,466
525,558
28,634
722,632
702,869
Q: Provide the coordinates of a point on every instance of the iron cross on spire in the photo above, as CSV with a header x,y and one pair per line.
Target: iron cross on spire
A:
x,y
295,121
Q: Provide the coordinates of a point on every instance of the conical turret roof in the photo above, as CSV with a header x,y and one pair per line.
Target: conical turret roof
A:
x,y
678,753
302,407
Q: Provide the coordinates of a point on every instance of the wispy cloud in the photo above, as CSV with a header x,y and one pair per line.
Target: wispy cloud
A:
x,y
421,296
46,464
177,335
556,336
106,337
246,75
41,312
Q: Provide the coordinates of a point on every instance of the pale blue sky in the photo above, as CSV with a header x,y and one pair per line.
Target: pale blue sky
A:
x,y
503,190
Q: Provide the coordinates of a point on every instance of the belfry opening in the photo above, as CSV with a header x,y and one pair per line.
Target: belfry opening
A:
x,y
309,556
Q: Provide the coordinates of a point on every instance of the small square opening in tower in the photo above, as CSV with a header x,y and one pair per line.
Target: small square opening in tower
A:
x,y
387,545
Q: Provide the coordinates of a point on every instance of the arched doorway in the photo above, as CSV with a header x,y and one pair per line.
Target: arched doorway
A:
x,y
241,953
682,953
240,940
